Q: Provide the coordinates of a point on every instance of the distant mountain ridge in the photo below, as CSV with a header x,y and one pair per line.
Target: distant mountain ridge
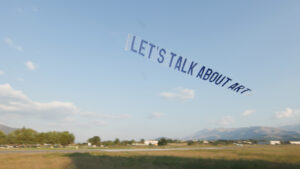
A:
x,y
6,129
293,127
245,133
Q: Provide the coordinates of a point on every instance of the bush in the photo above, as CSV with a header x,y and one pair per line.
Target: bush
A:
x,y
95,140
190,142
162,142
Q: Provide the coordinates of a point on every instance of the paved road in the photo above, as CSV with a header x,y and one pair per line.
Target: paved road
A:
x,y
110,150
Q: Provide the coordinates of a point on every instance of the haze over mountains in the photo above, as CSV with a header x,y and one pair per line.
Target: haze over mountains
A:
x,y
257,133
6,129
294,127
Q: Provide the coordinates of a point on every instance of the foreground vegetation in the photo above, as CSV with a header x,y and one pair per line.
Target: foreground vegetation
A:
x,y
251,157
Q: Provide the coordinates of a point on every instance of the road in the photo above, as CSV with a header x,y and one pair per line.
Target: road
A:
x,y
110,150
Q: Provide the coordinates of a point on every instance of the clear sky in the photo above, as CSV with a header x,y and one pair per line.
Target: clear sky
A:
x,y
63,66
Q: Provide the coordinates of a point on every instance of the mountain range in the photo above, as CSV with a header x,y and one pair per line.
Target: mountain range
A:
x,y
6,129
293,127
285,133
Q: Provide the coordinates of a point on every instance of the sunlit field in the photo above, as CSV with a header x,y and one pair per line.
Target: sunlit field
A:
x,y
251,157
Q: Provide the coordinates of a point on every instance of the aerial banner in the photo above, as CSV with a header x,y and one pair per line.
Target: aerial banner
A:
x,y
160,55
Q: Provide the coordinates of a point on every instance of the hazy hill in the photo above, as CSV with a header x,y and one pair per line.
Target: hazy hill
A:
x,y
6,129
257,133
294,127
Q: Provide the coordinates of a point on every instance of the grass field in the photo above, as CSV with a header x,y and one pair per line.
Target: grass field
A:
x,y
252,157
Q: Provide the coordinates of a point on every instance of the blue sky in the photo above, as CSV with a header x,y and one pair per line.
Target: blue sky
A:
x,y
63,66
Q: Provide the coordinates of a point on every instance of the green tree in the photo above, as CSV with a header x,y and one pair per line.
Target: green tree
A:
x,y
162,142
131,141
190,142
51,137
107,143
2,137
117,141
95,140
41,138
11,138
23,136
30,136
65,138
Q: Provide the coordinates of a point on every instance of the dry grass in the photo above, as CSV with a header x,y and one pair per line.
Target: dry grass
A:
x,y
34,161
286,156
283,153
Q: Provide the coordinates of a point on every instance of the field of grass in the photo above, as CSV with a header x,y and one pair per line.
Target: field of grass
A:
x,y
252,157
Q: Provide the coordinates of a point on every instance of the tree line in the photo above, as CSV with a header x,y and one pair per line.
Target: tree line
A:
x,y
96,140
29,136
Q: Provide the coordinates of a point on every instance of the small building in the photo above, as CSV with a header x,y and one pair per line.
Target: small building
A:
x,y
241,145
273,142
151,142
205,142
246,142
295,142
